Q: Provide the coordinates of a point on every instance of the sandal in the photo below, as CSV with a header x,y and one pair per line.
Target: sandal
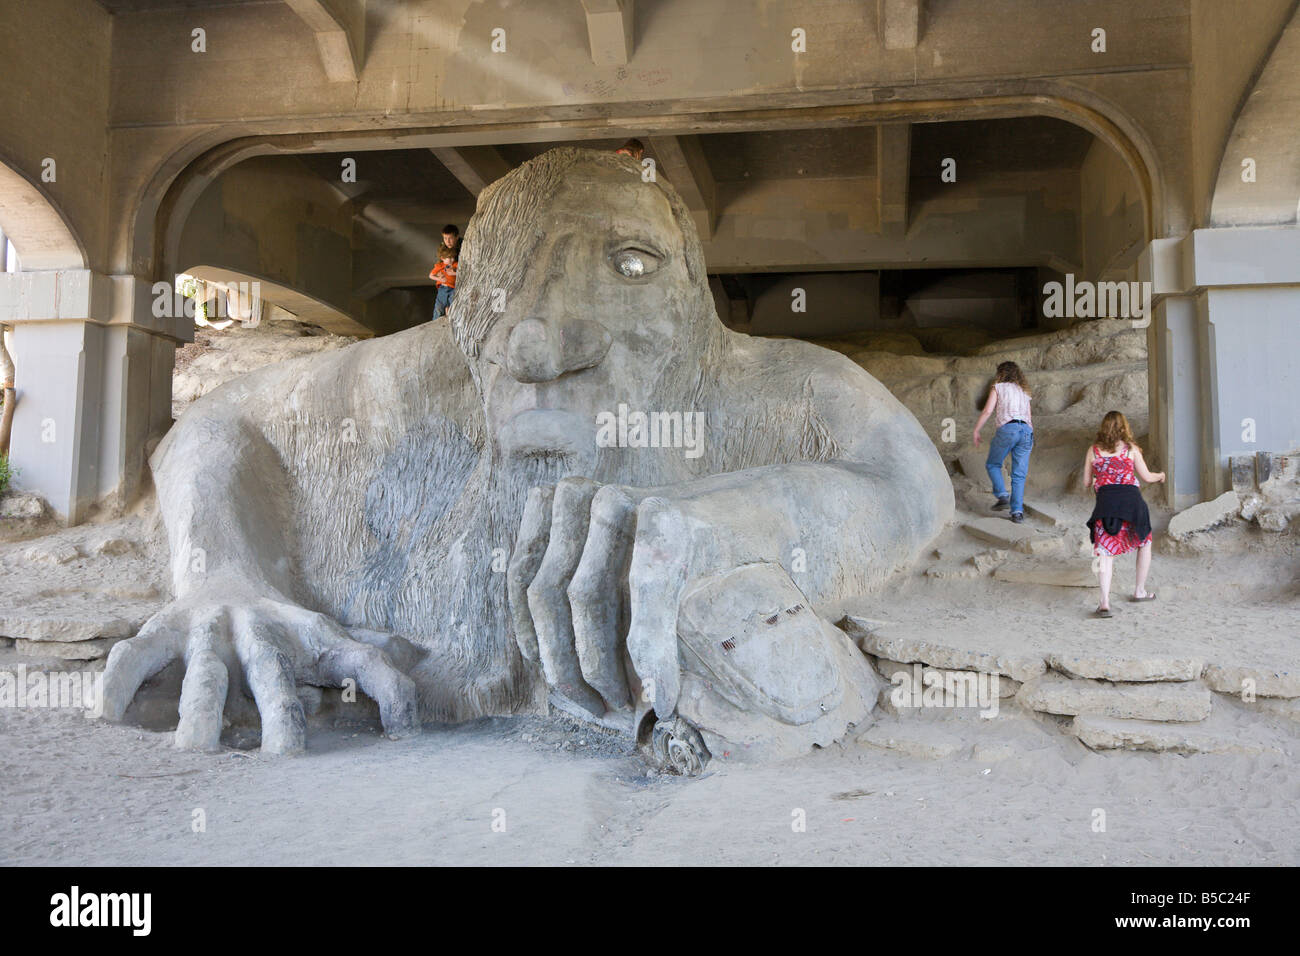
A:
x,y
1102,612
1142,600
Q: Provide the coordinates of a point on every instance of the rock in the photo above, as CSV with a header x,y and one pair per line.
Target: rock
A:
x,y
1204,516
1049,513
6,642
897,644
1054,694
1041,544
913,739
75,651
1072,575
64,629
1007,687
1108,733
1272,520
114,546
987,561
22,504
951,571
999,531
1111,667
1269,681
52,552
857,627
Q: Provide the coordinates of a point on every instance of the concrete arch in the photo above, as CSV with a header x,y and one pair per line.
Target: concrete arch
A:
x,y
165,204
36,227
1264,134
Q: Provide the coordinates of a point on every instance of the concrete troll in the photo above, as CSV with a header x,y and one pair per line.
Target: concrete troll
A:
x,y
432,516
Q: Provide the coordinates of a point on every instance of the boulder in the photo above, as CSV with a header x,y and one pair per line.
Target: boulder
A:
x,y
1056,694
22,504
1204,516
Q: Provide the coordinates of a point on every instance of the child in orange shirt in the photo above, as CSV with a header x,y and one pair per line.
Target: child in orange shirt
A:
x,y
444,273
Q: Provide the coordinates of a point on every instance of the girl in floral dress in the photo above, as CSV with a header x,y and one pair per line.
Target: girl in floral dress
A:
x,y
1120,521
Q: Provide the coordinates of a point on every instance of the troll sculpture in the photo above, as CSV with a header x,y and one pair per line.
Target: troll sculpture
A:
x,y
448,517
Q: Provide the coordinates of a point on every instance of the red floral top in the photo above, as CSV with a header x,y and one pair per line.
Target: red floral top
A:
x,y
1114,469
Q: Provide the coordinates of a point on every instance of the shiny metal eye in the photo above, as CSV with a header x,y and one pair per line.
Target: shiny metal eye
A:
x,y
630,263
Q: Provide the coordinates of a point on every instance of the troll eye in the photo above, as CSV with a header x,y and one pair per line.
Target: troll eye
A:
x,y
634,263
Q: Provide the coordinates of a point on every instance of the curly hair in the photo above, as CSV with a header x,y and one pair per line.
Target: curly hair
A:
x,y
1010,372
1115,429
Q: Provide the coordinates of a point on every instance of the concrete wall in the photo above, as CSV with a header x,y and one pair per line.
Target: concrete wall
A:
x,y
1229,39
60,50
274,219
1113,227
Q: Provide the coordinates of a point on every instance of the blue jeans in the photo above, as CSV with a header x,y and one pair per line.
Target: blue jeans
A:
x,y
1015,439
443,302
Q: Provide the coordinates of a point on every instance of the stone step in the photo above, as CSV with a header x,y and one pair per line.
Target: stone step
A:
x,y
904,644
926,741
1115,667
1001,532
66,650
67,628
1077,574
1007,687
1109,733
1054,516
1269,681
1056,694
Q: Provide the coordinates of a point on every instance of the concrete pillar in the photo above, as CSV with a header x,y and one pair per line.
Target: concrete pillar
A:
x,y
1224,361
93,377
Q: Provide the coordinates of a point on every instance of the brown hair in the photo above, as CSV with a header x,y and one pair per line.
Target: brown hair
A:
x,y
1010,372
446,252
1115,429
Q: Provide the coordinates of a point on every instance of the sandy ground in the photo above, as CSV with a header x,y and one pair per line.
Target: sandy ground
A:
x,y
1020,791
79,792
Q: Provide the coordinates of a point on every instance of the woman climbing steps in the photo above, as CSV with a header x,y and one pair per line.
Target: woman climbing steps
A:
x,y
1120,521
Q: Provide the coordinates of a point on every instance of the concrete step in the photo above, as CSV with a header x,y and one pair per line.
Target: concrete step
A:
x,y
66,628
908,644
1214,736
1120,667
1055,694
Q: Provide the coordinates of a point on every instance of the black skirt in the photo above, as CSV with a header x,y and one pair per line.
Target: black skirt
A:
x,y
1117,504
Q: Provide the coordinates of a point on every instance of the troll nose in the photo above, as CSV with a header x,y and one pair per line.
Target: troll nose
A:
x,y
541,351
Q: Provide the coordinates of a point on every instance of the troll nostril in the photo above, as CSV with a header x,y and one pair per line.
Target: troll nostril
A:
x,y
538,351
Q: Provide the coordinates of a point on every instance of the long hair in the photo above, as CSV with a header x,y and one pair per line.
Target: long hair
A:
x,y
1114,429
1010,372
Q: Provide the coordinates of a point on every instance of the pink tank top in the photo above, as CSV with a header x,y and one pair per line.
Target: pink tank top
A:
x,y
1013,404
